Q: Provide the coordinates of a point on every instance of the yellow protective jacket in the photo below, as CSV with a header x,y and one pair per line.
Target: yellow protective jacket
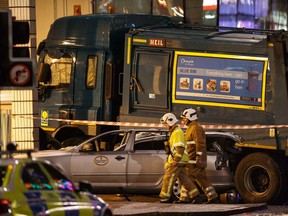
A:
x,y
178,147
196,144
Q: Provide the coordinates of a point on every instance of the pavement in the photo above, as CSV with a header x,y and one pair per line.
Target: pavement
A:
x,y
150,206
159,209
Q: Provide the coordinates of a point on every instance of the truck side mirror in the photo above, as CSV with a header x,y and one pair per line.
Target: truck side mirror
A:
x,y
44,73
41,47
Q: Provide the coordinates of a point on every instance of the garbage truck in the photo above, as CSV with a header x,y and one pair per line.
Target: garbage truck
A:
x,y
80,71
97,69
236,79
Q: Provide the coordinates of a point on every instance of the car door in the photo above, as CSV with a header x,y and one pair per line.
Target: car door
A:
x,y
219,177
102,166
145,166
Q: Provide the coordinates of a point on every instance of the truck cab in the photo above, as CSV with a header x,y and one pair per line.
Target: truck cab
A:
x,y
79,72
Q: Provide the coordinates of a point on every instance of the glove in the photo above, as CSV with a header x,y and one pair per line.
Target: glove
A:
x,y
166,165
200,163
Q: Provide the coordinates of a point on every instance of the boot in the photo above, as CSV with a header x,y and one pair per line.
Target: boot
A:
x,y
197,200
181,202
214,201
166,200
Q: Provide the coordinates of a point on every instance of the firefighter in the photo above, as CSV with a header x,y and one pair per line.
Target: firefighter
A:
x,y
196,149
176,163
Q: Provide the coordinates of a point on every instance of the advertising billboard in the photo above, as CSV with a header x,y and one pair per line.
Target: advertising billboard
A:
x,y
219,80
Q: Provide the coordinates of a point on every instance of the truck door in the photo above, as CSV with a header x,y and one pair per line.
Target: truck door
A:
x,y
74,87
58,90
150,79
88,85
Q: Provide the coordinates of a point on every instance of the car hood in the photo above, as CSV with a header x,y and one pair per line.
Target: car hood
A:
x,y
50,153
45,153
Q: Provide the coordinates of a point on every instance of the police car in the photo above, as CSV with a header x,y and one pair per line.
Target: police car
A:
x,y
32,187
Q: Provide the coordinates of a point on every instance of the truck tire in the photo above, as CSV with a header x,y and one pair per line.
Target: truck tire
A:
x,y
73,141
65,132
259,179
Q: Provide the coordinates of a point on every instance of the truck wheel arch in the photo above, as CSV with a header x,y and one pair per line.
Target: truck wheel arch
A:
x,y
259,178
65,132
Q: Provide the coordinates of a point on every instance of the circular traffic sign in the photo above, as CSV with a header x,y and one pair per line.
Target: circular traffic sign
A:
x,y
19,74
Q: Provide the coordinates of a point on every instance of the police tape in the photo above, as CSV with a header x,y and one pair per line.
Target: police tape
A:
x,y
155,125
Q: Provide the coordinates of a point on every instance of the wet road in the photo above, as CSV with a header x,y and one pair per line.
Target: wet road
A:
x,y
262,210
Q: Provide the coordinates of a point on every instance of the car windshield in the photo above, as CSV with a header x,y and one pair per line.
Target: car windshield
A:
x,y
60,181
34,178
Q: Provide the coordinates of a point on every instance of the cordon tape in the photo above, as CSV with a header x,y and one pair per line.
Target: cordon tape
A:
x,y
155,125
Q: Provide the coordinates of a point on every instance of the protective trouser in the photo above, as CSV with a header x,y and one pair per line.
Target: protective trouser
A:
x,y
199,176
170,177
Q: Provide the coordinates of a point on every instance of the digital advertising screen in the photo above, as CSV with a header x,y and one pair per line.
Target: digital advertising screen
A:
x,y
219,80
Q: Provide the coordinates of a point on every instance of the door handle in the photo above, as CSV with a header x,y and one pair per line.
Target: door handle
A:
x,y
119,157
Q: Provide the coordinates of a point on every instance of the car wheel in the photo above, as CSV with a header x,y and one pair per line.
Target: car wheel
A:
x,y
107,213
259,178
176,191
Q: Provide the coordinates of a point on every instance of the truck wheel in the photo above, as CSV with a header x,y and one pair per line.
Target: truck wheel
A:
x,y
73,141
259,179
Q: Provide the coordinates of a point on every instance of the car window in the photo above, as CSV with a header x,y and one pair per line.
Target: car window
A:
x,y
149,145
112,141
34,178
3,171
88,147
60,181
149,141
223,141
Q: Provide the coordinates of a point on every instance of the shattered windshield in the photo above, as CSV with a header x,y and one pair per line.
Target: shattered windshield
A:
x,y
60,70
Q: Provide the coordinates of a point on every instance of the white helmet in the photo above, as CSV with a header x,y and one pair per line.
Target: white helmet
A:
x,y
169,118
190,114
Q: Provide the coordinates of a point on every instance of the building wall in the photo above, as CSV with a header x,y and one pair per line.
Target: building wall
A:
x,y
17,107
46,11
49,10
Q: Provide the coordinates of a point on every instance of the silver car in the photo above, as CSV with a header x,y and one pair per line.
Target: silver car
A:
x,y
132,161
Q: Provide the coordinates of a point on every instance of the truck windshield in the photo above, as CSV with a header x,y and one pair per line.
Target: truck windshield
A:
x,y
60,70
